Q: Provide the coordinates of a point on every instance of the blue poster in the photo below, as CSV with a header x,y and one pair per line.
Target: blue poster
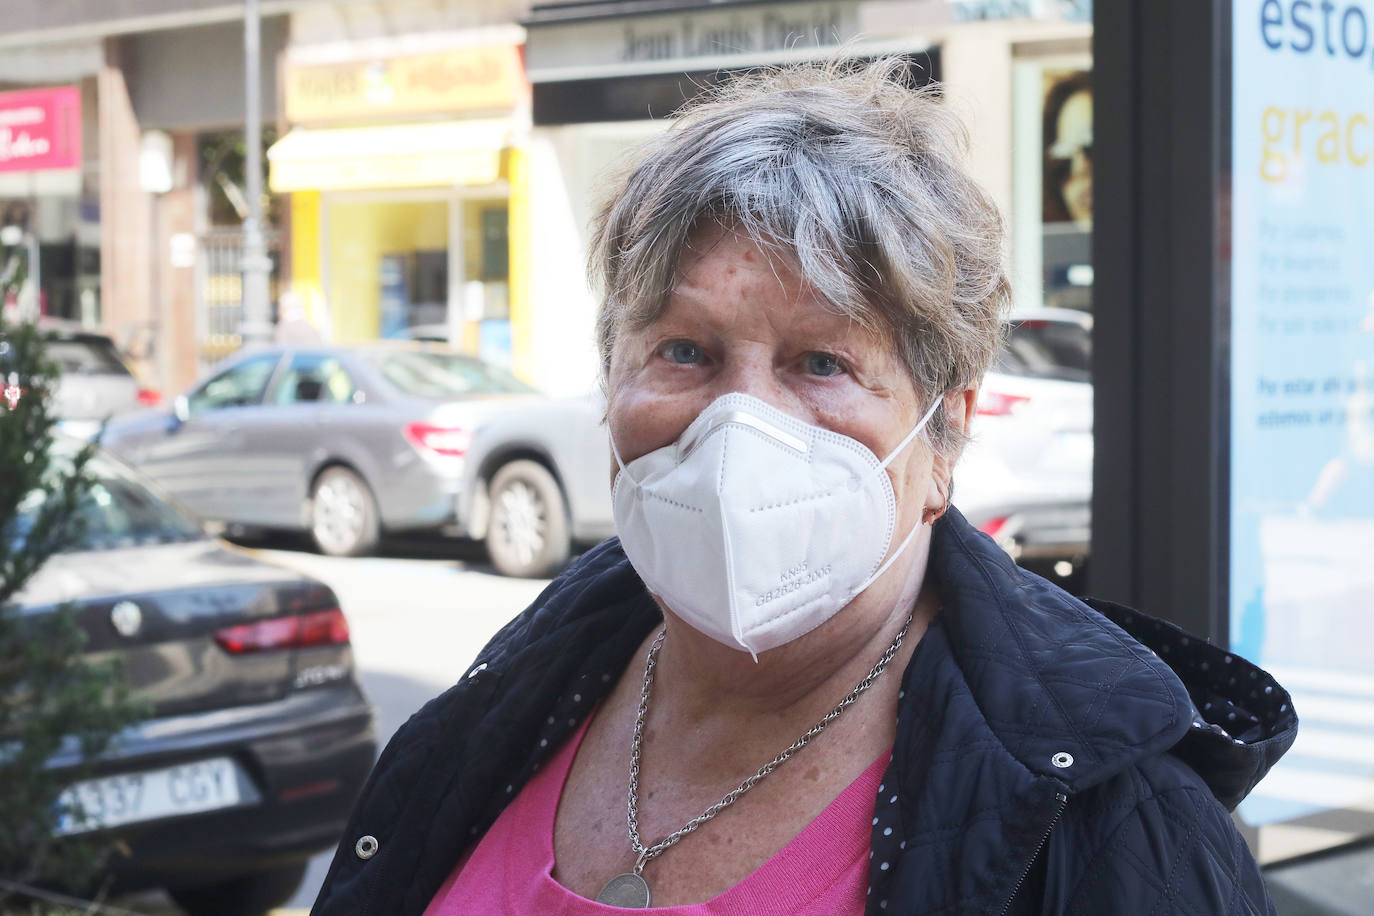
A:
x,y
395,295
1302,395
493,342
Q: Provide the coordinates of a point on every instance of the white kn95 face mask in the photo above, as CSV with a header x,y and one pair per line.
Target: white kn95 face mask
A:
x,y
756,527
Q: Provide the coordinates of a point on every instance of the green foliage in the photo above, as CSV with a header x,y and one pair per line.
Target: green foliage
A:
x,y
52,698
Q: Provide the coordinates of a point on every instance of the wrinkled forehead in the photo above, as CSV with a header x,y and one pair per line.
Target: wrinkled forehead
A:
x,y
766,272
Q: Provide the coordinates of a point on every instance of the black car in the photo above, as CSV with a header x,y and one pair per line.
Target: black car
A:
x,y
260,737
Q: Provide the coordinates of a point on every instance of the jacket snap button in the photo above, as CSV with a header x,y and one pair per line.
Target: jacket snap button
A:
x,y
1062,760
366,847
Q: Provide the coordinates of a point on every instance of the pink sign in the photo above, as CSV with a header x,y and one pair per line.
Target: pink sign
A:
x,y
40,129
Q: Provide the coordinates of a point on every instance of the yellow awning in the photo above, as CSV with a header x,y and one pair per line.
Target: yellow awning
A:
x,y
436,154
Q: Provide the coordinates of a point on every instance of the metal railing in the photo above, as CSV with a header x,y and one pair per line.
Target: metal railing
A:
x,y
219,291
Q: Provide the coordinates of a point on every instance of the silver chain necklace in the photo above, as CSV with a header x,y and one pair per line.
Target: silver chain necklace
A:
x,y
631,889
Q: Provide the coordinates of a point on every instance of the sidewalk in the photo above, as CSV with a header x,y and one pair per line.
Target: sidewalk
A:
x,y
1340,884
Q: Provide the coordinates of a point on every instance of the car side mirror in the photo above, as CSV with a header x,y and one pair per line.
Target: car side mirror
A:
x,y
181,412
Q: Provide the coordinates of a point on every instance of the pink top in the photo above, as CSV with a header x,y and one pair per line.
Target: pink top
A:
x,y
822,872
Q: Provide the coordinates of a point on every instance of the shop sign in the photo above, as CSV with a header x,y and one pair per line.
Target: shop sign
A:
x,y
470,79
40,129
735,36
700,40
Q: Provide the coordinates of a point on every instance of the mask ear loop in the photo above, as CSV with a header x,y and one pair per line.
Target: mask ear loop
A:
x,y
906,541
915,431
616,452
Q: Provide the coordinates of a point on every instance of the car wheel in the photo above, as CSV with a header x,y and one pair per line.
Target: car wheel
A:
x,y
527,535
246,895
243,534
343,514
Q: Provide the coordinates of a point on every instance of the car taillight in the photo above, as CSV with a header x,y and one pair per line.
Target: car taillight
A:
x,y
997,404
149,397
320,628
451,441
993,526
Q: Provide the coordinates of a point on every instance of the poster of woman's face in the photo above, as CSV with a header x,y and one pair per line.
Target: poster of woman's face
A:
x,y
1068,147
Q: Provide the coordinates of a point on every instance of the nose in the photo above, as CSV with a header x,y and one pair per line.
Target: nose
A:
x,y
756,376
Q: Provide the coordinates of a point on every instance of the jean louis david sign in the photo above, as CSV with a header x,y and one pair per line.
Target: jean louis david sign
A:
x,y
1302,383
697,40
749,35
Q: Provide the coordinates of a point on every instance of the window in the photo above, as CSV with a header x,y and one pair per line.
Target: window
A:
x,y
1052,177
1047,348
116,511
119,512
316,378
239,386
444,375
86,355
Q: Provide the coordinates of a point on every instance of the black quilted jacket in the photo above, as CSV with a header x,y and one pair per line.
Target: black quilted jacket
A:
x,y
1046,760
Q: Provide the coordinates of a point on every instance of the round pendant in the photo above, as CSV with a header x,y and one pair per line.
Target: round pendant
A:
x,y
628,890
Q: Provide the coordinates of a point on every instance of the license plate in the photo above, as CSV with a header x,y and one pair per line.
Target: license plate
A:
x,y
129,797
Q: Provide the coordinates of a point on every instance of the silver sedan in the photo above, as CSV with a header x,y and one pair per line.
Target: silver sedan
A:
x,y
343,442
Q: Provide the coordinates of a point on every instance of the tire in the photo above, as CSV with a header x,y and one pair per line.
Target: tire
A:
x,y
243,534
343,514
246,895
527,535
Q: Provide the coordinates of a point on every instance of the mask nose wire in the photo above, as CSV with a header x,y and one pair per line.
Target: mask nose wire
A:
x,y
915,431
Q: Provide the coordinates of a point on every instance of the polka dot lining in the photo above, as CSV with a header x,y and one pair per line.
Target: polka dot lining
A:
x,y
566,716
885,844
1233,698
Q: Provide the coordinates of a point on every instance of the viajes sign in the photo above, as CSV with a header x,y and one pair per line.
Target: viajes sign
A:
x,y
40,129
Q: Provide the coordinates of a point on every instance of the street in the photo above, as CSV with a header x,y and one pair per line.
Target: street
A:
x,y
417,620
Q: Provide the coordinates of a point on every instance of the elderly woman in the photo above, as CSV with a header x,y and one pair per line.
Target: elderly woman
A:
x,y
800,682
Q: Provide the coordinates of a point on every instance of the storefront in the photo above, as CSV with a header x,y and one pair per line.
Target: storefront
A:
x,y
606,76
48,206
403,172
186,92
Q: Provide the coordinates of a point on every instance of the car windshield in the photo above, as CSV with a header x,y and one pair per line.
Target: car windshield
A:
x,y
1049,349
86,356
435,374
117,511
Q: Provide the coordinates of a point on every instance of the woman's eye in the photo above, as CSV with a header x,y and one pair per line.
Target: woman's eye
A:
x,y
823,364
683,352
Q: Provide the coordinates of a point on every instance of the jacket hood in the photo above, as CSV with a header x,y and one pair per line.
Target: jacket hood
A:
x,y
1243,721
1110,684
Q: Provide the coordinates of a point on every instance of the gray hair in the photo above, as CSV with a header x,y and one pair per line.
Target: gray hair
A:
x,y
857,181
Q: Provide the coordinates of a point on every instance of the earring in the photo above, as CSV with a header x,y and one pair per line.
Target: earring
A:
x,y
934,514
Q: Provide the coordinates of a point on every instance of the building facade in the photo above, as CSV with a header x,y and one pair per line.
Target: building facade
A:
x,y
141,239
403,159
607,75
